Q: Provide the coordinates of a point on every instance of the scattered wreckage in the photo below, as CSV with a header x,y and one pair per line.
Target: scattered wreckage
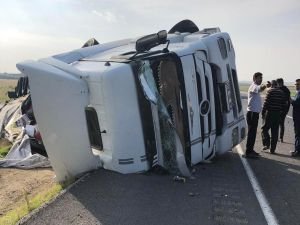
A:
x,y
169,100
18,126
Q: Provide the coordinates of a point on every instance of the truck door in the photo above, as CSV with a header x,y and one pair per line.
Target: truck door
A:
x,y
206,104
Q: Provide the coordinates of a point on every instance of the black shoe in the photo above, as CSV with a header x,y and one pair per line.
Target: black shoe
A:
x,y
265,148
295,153
255,153
251,154
272,152
281,140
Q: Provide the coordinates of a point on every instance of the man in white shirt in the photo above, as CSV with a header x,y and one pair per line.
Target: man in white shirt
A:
x,y
253,110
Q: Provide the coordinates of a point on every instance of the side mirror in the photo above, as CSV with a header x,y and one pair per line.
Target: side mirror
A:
x,y
147,42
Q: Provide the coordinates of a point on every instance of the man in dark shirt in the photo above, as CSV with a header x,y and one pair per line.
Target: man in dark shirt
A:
x,y
287,96
272,108
296,118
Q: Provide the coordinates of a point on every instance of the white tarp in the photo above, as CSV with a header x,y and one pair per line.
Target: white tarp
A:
x,y
8,111
14,126
1,105
20,155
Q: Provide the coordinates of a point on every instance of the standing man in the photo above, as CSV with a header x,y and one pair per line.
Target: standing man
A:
x,y
296,118
253,110
272,109
287,99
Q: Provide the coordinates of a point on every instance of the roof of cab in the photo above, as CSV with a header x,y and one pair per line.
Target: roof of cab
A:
x,y
182,43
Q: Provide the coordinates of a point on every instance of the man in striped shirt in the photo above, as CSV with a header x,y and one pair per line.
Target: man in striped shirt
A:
x,y
272,108
287,93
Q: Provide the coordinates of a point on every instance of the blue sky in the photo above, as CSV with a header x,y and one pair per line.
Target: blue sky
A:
x,y
265,33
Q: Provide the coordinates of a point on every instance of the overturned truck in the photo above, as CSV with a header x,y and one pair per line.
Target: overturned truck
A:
x,y
169,100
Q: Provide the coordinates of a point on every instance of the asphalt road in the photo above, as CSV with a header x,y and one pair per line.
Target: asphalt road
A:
x,y
219,194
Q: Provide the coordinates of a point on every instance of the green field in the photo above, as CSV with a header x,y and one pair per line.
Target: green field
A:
x,y
5,86
244,88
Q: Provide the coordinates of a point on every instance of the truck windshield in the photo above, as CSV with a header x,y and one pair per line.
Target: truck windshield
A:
x,y
172,147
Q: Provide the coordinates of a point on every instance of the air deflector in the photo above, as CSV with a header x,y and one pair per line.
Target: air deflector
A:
x,y
184,26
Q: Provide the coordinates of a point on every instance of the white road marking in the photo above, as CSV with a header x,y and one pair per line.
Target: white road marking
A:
x,y
289,117
263,202
293,170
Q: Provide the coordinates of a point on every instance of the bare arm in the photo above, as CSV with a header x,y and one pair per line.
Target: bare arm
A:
x,y
262,87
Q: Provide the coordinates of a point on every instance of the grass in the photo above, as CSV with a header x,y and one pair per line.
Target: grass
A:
x,y
13,216
292,90
244,88
5,146
4,151
5,86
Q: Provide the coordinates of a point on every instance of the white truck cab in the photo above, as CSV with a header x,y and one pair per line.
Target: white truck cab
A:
x,y
169,100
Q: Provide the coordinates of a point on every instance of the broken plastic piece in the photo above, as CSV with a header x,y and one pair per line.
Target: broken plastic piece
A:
x,y
179,179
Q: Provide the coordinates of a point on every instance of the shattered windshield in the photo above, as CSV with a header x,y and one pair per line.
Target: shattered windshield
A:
x,y
173,156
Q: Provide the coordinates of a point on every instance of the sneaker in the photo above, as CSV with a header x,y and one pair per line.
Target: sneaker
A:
x,y
265,148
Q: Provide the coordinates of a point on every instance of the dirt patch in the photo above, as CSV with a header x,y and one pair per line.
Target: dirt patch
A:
x,y
14,183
